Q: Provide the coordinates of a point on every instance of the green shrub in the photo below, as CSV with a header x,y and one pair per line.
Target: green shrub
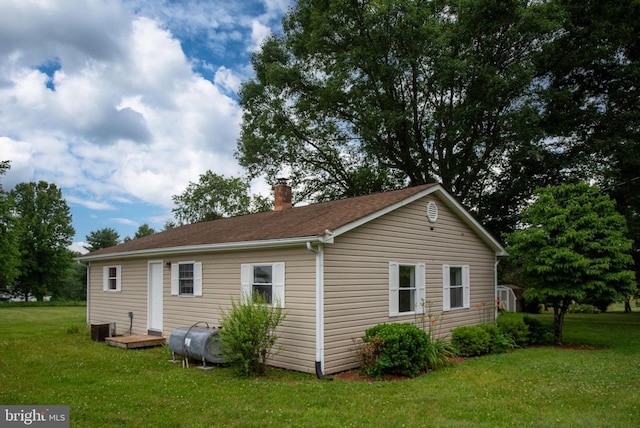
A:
x,y
439,354
248,334
500,341
515,327
399,349
575,308
540,333
471,340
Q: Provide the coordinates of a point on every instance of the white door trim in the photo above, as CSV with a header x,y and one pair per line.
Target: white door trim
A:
x,y
155,295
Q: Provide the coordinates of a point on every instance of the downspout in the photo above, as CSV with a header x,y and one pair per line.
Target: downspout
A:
x,y
319,252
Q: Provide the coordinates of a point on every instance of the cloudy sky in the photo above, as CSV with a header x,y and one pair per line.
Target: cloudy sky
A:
x,y
121,103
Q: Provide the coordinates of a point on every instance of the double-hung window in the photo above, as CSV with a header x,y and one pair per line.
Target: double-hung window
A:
x,y
406,288
456,289
265,280
111,278
186,279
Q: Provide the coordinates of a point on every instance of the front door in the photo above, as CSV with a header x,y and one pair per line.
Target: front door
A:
x,y
154,319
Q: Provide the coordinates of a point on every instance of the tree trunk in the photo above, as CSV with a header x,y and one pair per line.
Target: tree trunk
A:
x,y
627,305
559,311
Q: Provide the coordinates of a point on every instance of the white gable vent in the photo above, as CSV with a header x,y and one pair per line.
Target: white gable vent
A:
x,y
432,211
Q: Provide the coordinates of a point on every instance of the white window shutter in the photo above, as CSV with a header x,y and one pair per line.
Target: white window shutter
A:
x,y
175,276
446,291
105,278
118,278
420,288
394,278
197,279
278,284
466,287
246,273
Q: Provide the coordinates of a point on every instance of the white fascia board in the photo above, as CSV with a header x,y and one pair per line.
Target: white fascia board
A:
x,y
206,248
449,202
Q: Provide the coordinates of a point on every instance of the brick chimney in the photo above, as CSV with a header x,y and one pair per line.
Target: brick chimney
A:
x,y
282,193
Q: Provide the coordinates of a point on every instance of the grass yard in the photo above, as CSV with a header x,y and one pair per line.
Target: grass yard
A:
x,y
47,357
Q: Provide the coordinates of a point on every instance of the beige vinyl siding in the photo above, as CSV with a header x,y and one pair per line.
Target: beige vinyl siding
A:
x,y
357,275
114,306
220,283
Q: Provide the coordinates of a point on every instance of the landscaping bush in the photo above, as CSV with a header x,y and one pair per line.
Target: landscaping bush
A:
x,y
439,354
582,309
515,327
540,333
471,340
248,333
397,349
500,341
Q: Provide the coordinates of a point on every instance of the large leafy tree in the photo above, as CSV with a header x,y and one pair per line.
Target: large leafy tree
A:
x,y
213,197
9,254
102,238
360,96
592,99
573,247
44,233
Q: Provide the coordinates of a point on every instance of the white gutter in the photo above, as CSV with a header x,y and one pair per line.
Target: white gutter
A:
x,y
319,252
270,243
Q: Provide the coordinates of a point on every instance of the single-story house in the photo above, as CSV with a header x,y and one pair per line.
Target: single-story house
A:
x,y
337,267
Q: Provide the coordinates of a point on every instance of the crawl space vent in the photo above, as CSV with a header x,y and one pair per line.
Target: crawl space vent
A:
x,y
432,211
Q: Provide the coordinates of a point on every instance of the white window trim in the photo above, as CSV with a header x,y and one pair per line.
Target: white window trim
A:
x,y
466,288
246,281
105,278
394,288
197,279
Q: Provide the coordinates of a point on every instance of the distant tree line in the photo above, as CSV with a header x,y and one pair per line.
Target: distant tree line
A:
x,y
36,233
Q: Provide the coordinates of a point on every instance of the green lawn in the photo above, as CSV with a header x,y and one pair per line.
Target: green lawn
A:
x,y
47,357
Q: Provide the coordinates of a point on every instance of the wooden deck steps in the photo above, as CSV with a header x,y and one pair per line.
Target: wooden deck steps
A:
x,y
133,342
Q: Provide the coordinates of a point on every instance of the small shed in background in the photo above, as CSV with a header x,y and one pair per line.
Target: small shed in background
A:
x,y
510,297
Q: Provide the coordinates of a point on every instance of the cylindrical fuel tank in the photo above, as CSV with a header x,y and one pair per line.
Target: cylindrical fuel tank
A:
x,y
199,343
